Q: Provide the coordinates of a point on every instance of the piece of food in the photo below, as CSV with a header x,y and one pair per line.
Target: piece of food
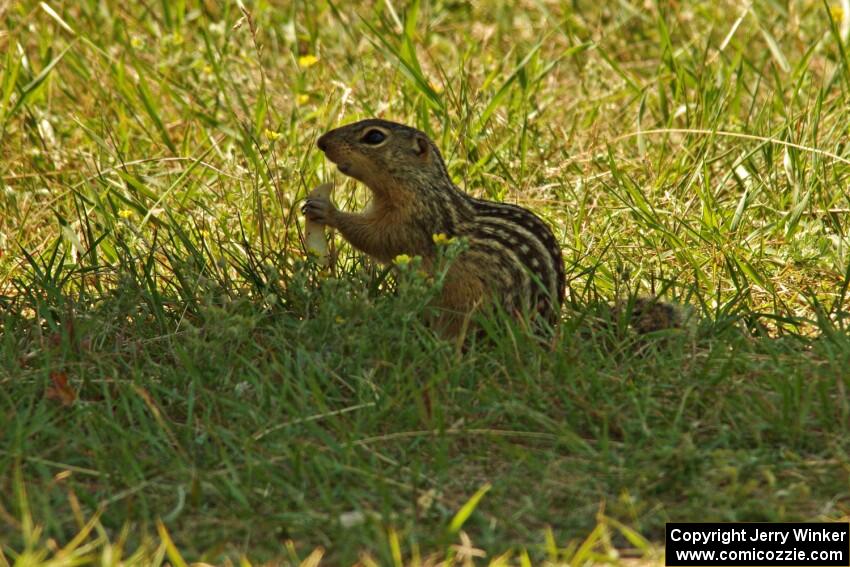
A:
x,y
314,232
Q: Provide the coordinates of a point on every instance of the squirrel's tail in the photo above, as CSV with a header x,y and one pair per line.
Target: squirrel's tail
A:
x,y
649,314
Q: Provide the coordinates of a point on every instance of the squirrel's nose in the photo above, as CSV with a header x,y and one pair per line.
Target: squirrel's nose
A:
x,y
322,142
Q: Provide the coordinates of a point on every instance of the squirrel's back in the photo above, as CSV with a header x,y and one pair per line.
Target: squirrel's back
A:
x,y
521,249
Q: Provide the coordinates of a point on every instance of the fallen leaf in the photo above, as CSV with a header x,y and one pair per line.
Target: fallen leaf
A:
x,y
59,389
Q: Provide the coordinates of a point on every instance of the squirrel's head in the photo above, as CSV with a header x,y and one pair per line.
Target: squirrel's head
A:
x,y
385,155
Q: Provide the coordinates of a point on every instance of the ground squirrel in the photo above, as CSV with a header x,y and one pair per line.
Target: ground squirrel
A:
x,y
512,257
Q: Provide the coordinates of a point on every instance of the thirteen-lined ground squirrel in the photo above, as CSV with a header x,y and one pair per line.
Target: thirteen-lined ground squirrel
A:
x,y
512,257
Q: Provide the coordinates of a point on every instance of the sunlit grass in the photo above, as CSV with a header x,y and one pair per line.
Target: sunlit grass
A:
x,y
92,545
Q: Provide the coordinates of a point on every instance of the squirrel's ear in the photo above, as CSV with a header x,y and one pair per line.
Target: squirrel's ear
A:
x,y
420,146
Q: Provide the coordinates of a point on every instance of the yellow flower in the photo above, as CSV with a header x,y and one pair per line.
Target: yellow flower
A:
x,y
125,213
303,99
177,38
208,70
307,61
836,12
441,239
402,260
271,135
136,42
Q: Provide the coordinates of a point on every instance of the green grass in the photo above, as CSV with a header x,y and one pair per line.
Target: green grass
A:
x,y
166,352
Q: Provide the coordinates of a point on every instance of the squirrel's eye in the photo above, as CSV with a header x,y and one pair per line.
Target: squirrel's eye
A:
x,y
374,137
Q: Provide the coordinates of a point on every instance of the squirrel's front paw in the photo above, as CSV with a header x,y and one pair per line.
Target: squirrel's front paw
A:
x,y
319,210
